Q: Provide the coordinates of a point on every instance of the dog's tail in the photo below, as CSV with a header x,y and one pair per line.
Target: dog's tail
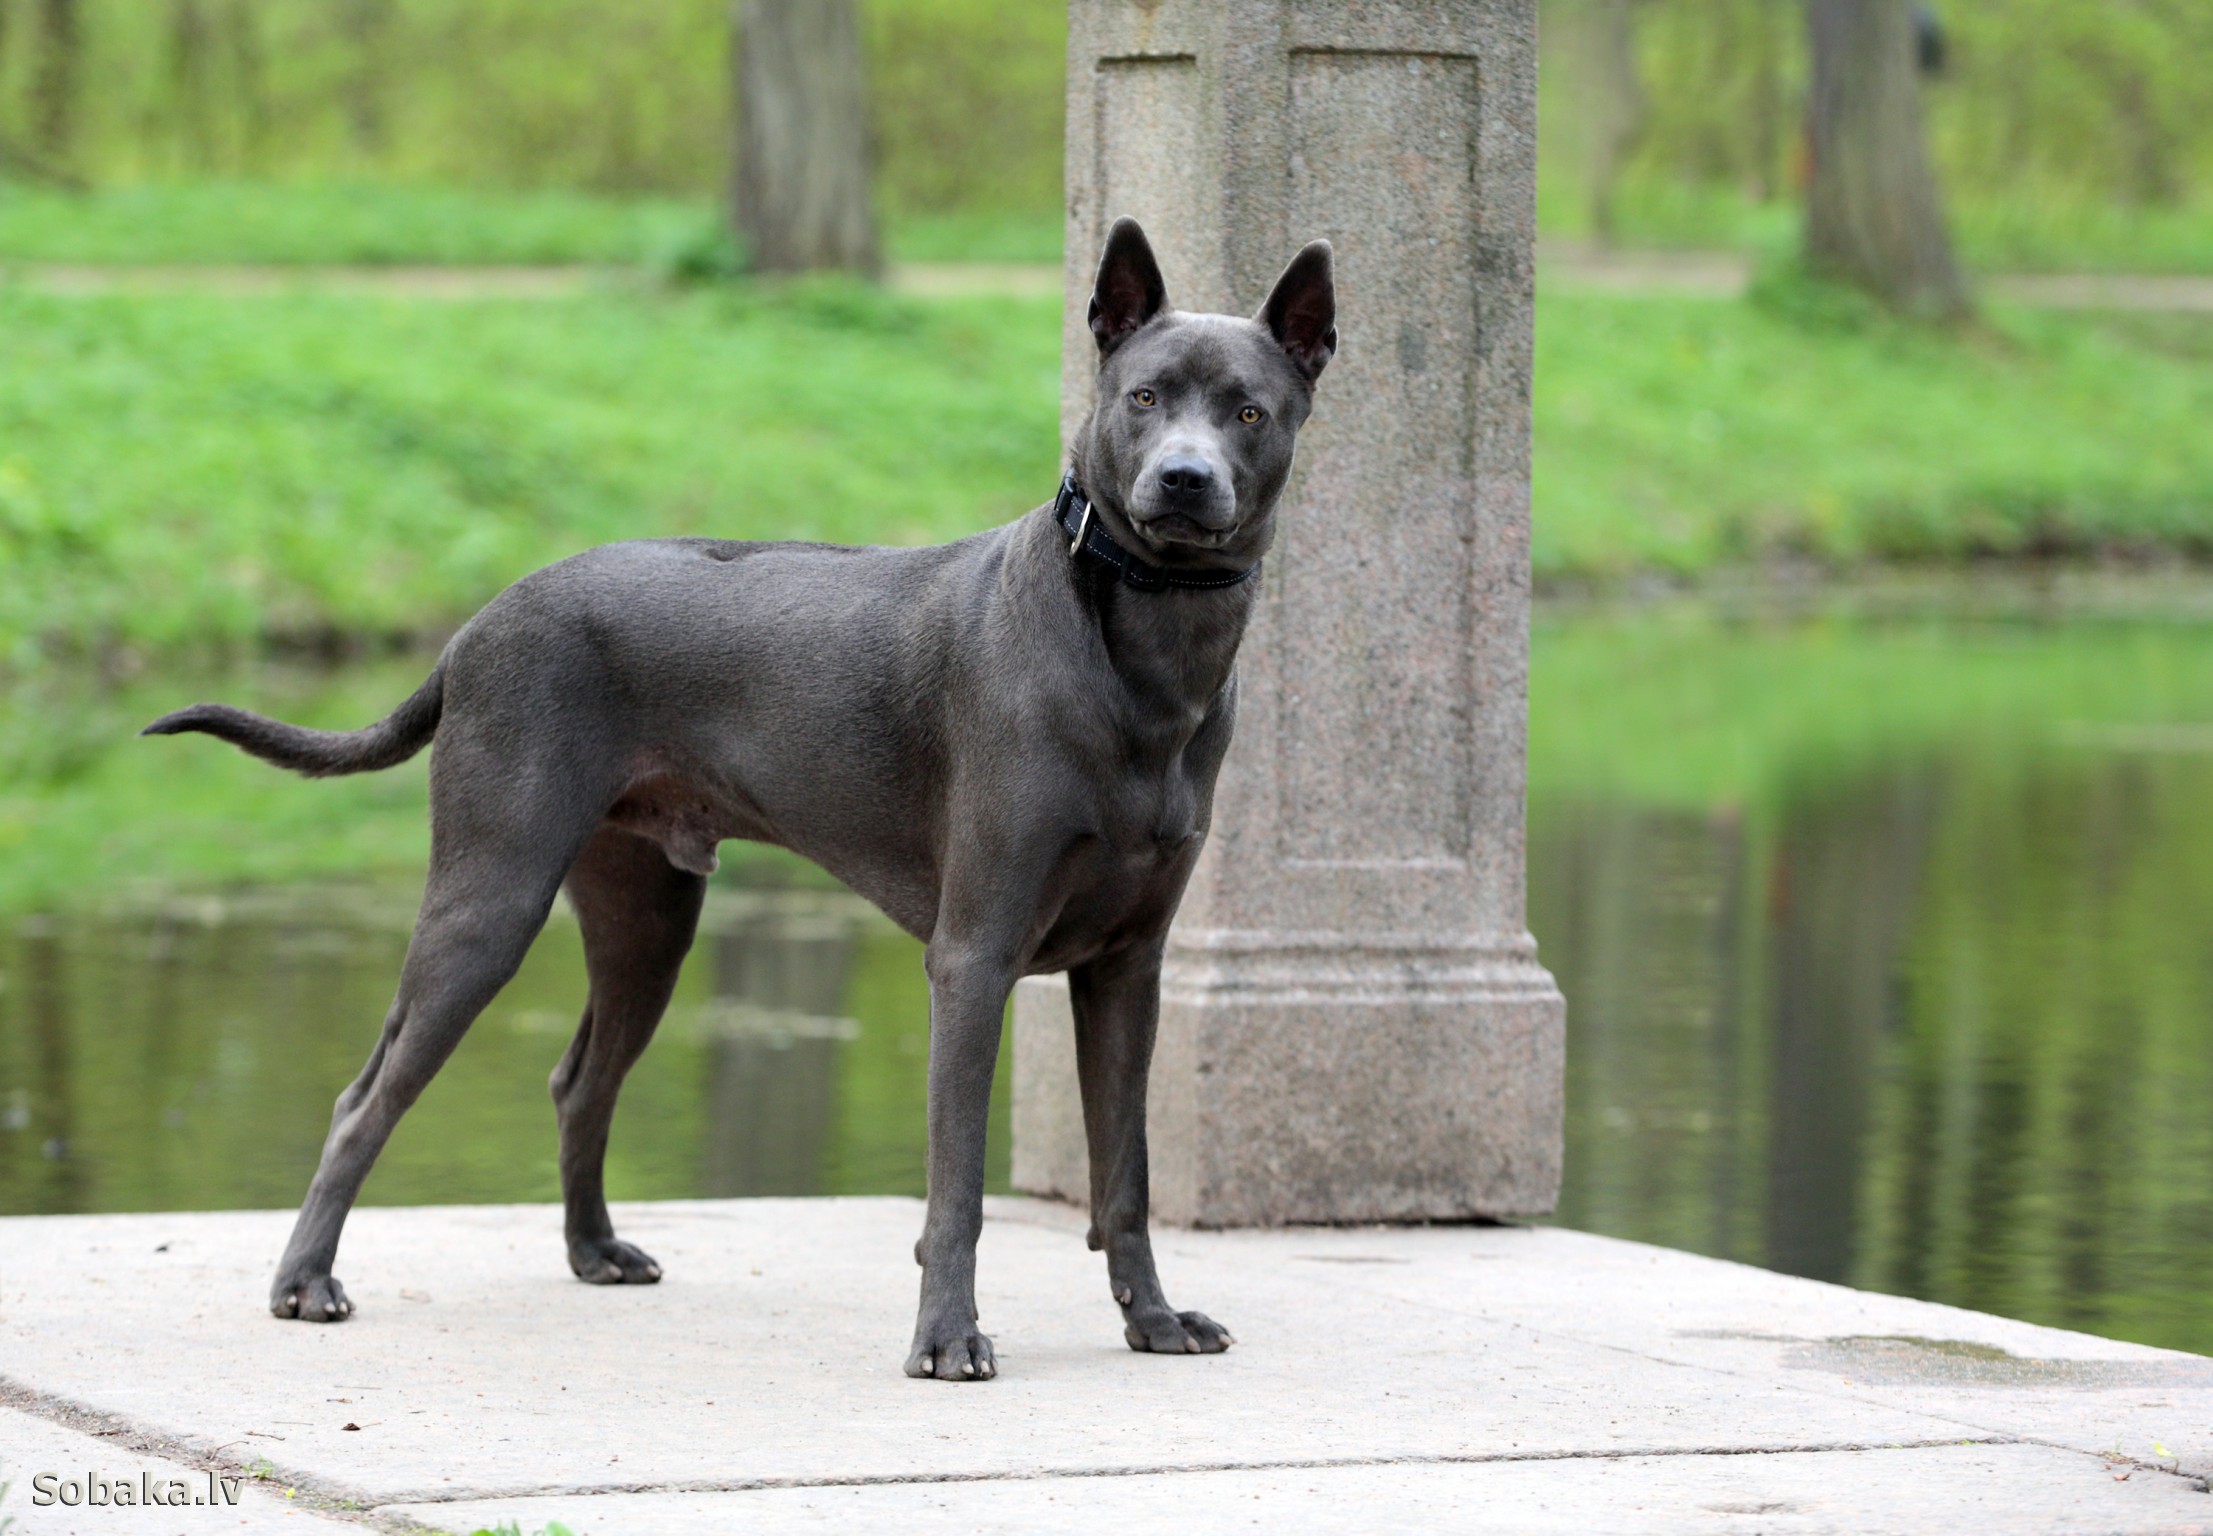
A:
x,y
320,754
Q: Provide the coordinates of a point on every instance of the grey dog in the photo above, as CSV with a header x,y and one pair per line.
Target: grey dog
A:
x,y
1008,743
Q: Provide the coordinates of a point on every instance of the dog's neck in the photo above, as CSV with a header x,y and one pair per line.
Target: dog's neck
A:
x,y
1173,650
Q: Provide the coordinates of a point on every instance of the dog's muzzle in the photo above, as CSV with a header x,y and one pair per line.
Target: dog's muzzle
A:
x,y
1184,499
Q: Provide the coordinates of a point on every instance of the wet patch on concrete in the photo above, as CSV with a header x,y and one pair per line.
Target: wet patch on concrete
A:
x,y
1911,1360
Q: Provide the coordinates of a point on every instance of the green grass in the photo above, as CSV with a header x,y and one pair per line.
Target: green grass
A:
x,y
177,471
1034,237
87,810
325,223
2021,233
182,472
1682,435
386,223
382,224
90,812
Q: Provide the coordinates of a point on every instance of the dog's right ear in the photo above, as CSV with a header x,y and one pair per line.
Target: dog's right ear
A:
x,y
1128,290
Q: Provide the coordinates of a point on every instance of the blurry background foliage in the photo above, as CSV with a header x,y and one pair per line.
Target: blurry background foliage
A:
x,y
514,95
2066,132
2063,131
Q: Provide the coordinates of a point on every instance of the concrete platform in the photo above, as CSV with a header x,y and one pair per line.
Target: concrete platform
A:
x,y
1450,1378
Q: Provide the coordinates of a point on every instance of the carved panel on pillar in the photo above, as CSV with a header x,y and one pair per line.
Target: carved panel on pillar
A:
x,y
1387,168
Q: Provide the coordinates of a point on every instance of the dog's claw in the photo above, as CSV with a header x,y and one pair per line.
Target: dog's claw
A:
x,y
318,1299
1177,1333
952,1356
610,1261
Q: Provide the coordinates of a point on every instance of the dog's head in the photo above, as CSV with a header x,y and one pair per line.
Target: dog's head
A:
x,y
1189,444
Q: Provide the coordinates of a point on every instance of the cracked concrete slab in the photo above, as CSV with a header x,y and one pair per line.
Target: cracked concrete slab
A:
x,y
112,1488
478,1373
2010,1488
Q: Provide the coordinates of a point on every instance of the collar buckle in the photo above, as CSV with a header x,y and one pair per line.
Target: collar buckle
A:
x,y
1085,537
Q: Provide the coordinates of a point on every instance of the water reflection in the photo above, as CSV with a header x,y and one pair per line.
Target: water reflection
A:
x,y
772,1073
184,1054
1944,1029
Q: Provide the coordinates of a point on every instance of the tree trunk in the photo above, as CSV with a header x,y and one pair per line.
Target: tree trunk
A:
x,y
1767,103
54,78
249,85
1873,216
800,198
188,84
1620,108
16,157
367,25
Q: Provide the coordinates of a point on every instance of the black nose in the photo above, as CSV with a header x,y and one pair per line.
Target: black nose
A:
x,y
1186,476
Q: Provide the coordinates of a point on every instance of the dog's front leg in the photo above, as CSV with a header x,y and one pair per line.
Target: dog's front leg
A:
x,y
969,982
1117,1004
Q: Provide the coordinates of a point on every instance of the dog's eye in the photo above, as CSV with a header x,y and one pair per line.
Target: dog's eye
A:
x,y
1145,399
1249,415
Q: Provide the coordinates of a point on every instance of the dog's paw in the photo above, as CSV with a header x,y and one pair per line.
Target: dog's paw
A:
x,y
1177,1333
314,1299
954,1355
610,1261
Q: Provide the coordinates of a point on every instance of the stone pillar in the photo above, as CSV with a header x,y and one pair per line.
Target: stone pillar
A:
x,y
1354,1025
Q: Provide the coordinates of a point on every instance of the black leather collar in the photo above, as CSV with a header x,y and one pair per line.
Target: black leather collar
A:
x,y
1087,535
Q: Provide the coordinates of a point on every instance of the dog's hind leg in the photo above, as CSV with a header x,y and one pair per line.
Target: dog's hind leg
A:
x,y
638,913
496,862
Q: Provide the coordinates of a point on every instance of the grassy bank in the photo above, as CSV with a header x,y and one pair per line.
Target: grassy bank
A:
x,y
372,222
1682,436
185,470
178,471
382,223
2016,231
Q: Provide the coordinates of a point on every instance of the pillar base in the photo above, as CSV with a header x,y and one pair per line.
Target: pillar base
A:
x,y
1303,1082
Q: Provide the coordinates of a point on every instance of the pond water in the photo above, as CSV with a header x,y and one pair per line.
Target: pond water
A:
x,y
1887,941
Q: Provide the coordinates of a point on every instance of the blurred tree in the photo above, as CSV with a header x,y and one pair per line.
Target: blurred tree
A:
x,y
1764,180
54,78
188,84
367,27
19,159
1620,106
1873,215
800,197
966,102
242,29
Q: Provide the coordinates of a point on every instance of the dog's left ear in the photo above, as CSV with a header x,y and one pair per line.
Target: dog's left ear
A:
x,y
1128,290
1302,311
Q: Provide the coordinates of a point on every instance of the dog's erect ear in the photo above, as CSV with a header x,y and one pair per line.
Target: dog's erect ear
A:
x,y
1128,290
1302,312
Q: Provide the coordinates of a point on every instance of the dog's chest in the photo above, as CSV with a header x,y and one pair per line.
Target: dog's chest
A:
x,y
1145,836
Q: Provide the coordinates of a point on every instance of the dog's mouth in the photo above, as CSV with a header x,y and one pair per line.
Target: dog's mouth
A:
x,y
1175,529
